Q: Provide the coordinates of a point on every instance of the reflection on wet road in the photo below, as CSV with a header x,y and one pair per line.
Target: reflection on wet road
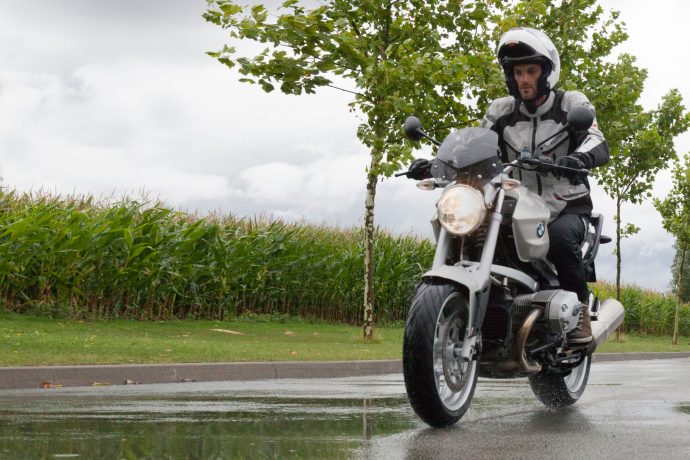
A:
x,y
264,419
631,409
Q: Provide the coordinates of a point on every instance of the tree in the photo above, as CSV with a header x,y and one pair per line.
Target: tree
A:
x,y
644,147
680,281
415,57
641,154
675,212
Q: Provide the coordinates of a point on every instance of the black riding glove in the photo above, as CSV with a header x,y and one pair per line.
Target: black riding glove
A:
x,y
419,169
568,161
585,158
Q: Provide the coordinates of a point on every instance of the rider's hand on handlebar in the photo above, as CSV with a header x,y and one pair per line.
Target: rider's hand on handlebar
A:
x,y
568,161
419,169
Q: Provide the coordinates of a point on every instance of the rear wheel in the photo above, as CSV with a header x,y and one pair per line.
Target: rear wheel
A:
x,y
439,384
556,390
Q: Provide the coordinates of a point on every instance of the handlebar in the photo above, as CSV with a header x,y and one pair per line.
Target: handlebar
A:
x,y
553,167
518,163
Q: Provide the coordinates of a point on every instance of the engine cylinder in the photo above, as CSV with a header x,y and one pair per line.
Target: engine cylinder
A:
x,y
561,308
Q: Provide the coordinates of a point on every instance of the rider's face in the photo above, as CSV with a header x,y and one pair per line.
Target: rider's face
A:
x,y
526,77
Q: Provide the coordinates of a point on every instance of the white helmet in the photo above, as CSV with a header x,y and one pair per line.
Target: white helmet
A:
x,y
529,46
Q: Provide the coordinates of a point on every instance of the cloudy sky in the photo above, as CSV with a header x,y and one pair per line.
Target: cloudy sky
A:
x,y
114,97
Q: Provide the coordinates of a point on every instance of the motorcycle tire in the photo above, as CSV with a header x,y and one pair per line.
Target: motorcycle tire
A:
x,y
439,386
556,390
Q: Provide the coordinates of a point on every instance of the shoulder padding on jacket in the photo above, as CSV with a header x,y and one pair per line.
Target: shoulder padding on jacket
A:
x,y
574,99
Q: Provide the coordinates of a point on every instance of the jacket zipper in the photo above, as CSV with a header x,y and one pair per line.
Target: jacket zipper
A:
x,y
534,152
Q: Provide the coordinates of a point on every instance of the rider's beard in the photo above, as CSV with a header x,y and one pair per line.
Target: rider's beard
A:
x,y
528,92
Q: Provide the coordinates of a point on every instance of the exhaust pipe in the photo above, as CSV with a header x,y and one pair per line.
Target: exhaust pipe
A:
x,y
611,314
528,367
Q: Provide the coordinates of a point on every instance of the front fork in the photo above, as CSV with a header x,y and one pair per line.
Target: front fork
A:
x,y
478,282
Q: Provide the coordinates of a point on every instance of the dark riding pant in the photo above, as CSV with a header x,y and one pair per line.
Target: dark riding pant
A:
x,y
566,235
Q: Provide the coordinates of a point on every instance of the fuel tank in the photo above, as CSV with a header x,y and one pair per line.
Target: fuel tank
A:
x,y
530,218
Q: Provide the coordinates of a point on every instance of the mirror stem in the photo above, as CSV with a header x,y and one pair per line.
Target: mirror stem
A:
x,y
433,141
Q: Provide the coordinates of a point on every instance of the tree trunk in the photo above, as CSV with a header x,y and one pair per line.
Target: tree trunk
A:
x,y
676,321
618,261
372,179
618,249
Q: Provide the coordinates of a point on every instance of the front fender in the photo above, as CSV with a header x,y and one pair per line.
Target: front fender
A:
x,y
468,277
477,289
458,274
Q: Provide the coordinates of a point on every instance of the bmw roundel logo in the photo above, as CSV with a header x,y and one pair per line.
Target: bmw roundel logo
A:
x,y
541,229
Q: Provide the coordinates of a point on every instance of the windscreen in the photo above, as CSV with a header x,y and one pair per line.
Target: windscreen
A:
x,y
463,148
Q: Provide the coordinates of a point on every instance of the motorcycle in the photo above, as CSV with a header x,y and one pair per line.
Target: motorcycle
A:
x,y
491,305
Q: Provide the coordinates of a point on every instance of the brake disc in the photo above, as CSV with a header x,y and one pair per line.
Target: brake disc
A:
x,y
453,366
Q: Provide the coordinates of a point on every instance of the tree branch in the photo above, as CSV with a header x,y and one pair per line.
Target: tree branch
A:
x,y
345,90
632,180
354,27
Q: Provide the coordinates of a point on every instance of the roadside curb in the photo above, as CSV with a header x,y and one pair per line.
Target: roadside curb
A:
x,y
55,376
604,357
95,375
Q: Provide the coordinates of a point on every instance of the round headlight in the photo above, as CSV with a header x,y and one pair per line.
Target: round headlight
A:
x,y
461,209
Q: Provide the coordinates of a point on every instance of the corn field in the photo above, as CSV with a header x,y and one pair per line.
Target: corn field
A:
x,y
647,311
76,257
79,258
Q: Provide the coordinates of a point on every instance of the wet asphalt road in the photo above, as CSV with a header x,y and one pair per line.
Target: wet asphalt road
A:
x,y
631,409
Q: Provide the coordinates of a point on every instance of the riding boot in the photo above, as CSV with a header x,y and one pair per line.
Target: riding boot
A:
x,y
582,334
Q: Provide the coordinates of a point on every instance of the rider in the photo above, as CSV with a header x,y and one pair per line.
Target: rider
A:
x,y
532,113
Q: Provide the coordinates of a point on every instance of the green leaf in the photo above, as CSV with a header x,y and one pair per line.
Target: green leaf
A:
x,y
229,8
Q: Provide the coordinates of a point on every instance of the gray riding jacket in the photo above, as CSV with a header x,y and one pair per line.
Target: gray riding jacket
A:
x,y
518,129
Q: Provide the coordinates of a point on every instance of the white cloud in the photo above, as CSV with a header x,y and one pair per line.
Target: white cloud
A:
x,y
321,190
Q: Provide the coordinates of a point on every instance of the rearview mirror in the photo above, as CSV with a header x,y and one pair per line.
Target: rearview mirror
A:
x,y
413,128
580,118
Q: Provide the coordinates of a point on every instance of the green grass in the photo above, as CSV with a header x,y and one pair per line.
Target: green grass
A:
x,y
29,340
643,343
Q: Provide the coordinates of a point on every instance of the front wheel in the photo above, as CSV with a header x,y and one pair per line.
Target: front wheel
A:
x,y
439,384
556,390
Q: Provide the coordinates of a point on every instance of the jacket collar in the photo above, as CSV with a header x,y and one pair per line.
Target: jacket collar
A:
x,y
542,109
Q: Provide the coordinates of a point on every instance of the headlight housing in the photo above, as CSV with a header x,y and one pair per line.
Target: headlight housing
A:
x,y
461,209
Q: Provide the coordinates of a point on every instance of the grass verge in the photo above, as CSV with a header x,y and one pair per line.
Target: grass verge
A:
x,y
29,340
633,343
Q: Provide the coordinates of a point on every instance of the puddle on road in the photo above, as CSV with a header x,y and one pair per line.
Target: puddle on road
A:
x,y
201,428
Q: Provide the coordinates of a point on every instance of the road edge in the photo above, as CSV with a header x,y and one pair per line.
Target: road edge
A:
x,y
94,375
